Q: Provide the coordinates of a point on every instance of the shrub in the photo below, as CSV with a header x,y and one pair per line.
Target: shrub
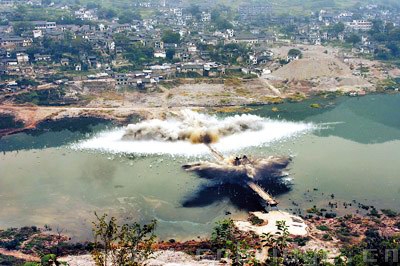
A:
x,y
254,220
227,238
323,228
389,213
122,245
330,215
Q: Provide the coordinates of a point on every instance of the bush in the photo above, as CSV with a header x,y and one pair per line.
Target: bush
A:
x,y
330,215
228,239
122,245
323,228
374,213
389,213
254,220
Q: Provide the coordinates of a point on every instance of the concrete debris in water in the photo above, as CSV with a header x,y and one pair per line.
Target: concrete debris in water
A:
x,y
238,170
248,172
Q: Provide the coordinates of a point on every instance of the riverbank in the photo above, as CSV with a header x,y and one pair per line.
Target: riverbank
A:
x,y
317,232
28,117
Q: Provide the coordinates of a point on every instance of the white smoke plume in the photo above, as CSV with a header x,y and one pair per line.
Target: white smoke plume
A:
x,y
176,136
195,127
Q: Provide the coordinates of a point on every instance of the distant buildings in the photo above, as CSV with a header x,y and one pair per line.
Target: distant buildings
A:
x,y
363,25
20,2
42,25
251,11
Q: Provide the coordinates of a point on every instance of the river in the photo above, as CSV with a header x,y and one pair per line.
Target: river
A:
x,y
351,153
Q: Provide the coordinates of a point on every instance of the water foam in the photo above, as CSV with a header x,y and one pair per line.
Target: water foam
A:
x,y
239,132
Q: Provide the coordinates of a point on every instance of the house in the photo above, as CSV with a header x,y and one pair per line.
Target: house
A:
x,y
192,67
192,49
245,38
22,58
64,62
205,16
160,54
251,10
93,62
84,14
6,29
362,25
118,28
12,62
13,41
177,12
159,45
121,79
41,58
40,25
37,34
20,2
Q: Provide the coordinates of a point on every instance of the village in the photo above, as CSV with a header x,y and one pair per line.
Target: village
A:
x,y
89,46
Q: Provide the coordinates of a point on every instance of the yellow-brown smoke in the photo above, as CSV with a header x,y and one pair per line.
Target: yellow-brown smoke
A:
x,y
204,137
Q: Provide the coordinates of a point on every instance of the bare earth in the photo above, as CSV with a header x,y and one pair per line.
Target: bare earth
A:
x,y
320,69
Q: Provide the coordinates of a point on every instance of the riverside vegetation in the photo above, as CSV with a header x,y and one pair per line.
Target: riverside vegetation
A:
x,y
362,240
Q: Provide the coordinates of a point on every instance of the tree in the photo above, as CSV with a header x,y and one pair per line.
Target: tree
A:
x,y
295,53
128,245
278,243
23,26
106,13
170,54
223,24
128,16
394,49
171,37
337,28
233,244
92,5
195,11
353,39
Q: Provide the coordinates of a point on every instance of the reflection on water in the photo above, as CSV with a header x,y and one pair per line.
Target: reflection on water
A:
x,y
371,119
355,159
240,196
53,134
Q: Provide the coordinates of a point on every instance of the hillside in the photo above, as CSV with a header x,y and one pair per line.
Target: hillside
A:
x,y
305,6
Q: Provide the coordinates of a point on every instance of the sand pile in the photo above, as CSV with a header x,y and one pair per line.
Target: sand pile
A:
x,y
310,68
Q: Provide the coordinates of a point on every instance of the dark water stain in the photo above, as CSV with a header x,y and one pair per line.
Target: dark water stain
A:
x,y
240,195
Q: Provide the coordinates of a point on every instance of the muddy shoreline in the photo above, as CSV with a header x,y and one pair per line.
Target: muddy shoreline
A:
x,y
29,117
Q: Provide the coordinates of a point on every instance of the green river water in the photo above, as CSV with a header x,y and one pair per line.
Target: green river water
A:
x,y
355,156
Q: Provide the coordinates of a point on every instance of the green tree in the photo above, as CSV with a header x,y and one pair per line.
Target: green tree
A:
x,y
170,54
233,244
195,11
294,53
105,13
337,28
23,26
128,16
171,37
129,244
353,39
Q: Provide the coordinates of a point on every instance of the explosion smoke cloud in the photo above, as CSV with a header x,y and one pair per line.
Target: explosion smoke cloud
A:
x,y
176,136
194,127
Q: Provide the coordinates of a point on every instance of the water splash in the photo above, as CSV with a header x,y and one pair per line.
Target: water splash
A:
x,y
178,136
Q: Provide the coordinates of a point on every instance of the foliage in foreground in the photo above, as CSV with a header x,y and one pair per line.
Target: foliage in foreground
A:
x,y
128,245
230,243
